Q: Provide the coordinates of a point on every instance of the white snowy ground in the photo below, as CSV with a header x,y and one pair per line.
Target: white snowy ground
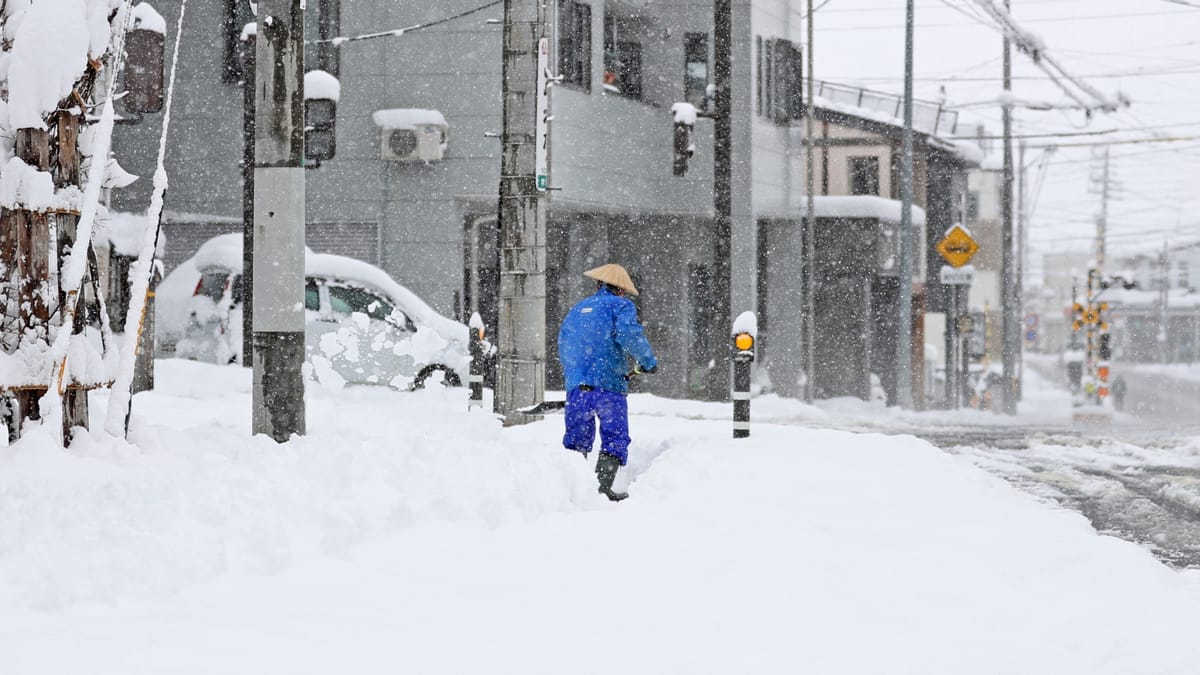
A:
x,y
403,534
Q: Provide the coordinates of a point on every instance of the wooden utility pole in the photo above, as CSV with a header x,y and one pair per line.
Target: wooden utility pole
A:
x,y
521,333
35,245
279,218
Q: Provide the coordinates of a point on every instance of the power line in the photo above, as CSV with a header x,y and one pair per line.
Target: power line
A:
x,y
954,78
1064,134
1130,141
401,31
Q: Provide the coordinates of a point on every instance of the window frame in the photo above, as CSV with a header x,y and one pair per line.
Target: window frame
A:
x,y
854,166
693,45
574,53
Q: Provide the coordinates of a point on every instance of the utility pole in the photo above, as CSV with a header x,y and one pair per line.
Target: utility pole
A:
x,y
1164,294
1019,281
809,232
1008,321
521,375
718,380
904,338
1102,221
279,216
249,46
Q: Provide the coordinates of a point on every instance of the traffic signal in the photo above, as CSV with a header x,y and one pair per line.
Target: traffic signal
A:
x,y
144,71
1105,346
743,346
320,138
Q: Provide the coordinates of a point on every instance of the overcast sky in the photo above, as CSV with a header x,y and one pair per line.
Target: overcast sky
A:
x,y
1149,49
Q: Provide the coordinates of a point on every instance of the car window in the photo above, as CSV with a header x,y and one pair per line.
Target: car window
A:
x,y
212,284
312,298
347,299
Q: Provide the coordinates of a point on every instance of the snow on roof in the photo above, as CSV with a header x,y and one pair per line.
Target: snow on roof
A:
x,y
320,84
407,118
1177,298
861,207
929,119
146,18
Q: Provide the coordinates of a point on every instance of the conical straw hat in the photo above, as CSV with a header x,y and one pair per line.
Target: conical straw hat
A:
x,y
613,274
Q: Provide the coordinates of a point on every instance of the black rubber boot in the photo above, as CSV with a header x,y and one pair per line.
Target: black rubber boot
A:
x,y
606,472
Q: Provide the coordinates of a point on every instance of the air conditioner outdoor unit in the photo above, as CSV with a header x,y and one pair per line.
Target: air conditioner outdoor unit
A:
x,y
421,143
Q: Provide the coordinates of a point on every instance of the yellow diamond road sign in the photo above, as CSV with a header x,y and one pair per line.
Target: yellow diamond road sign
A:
x,y
957,247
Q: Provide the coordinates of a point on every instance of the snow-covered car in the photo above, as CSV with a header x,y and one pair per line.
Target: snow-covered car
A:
x,y
360,327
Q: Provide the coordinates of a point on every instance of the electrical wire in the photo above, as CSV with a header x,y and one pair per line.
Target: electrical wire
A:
x,y
396,32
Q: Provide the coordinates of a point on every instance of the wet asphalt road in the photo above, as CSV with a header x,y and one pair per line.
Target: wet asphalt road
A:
x,y
1137,478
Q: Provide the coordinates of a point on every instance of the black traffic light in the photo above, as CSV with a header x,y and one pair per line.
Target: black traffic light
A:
x,y
1106,346
320,139
144,71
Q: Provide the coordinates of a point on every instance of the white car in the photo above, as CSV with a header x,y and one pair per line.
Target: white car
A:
x,y
360,326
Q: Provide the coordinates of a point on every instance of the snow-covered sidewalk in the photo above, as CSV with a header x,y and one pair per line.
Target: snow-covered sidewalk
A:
x,y
403,534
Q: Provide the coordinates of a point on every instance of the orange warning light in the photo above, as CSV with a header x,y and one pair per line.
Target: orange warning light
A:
x,y
744,342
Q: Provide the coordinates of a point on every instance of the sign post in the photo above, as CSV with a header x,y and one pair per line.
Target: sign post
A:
x,y
957,247
542,123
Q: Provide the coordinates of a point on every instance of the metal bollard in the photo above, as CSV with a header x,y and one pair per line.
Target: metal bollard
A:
x,y
745,328
475,378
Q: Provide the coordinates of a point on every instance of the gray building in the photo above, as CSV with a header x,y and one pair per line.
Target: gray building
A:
x,y
418,198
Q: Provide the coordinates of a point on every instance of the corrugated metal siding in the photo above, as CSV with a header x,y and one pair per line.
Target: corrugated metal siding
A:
x,y
354,240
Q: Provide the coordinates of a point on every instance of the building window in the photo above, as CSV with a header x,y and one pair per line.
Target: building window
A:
x,y
864,176
695,68
758,81
622,57
780,81
575,43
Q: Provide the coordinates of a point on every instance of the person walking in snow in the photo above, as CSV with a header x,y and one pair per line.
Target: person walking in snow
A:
x,y
597,338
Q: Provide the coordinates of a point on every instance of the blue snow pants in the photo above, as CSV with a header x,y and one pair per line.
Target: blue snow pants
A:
x,y
582,409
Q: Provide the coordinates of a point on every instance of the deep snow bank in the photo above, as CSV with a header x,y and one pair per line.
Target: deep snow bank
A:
x,y
403,534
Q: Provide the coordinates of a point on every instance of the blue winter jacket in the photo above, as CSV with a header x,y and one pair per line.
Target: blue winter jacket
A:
x,y
595,338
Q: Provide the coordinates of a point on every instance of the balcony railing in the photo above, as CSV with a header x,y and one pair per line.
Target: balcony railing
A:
x,y
928,117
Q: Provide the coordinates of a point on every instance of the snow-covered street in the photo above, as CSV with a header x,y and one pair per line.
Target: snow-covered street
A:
x,y
404,534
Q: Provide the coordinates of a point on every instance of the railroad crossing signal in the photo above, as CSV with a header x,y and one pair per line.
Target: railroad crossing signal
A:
x,y
957,247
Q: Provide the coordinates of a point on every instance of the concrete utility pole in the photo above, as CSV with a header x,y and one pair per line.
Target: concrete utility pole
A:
x,y
809,232
249,65
278,267
1019,281
1102,221
1008,321
718,380
904,329
521,375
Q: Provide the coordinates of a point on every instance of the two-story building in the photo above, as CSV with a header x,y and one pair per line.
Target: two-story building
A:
x,y
413,185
